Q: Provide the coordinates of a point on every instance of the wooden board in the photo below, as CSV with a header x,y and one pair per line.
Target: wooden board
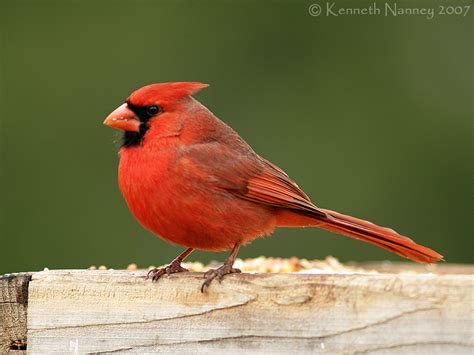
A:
x,y
81,311
13,307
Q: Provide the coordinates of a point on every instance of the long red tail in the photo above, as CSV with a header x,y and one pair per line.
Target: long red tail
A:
x,y
383,237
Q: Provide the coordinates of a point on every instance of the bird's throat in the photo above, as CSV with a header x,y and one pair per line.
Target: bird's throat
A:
x,y
132,139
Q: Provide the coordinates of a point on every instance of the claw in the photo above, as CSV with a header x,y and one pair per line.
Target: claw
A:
x,y
172,268
218,273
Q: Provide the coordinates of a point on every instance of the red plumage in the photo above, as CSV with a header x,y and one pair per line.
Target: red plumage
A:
x,y
190,179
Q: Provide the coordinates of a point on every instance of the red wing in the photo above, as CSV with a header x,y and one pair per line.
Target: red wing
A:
x,y
244,174
273,187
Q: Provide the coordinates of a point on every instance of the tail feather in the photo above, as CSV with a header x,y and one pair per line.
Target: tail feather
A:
x,y
383,237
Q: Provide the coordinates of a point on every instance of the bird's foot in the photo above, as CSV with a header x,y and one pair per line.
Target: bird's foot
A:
x,y
218,273
156,273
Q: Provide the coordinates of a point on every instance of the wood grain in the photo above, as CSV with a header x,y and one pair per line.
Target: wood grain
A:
x,y
13,308
119,311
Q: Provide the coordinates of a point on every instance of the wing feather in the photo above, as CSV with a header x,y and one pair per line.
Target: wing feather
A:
x,y
245,175
273,187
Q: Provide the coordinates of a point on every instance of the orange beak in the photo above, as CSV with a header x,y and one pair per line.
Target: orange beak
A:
x,y
123,118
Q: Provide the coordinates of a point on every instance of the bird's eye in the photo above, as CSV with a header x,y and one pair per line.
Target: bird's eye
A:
x,y
152,110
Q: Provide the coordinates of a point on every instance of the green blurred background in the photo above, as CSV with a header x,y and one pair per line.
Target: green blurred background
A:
x,y
371,115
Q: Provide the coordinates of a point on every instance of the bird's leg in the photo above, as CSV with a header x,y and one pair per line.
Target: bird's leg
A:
x,y
173,267
225,269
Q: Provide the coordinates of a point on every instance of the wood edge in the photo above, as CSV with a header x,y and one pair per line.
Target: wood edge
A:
x,y
138,277
382,269
442,268
13,312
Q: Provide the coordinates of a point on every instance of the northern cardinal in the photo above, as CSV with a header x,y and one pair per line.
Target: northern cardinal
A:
x,y
192,180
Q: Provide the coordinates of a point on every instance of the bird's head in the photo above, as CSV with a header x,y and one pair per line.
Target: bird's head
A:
x,y
145,105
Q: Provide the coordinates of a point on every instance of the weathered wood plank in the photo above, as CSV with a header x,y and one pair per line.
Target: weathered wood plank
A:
x,y
13,308
407,267
118,311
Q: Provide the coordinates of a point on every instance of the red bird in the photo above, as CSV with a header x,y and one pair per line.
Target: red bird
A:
x,y
192,180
